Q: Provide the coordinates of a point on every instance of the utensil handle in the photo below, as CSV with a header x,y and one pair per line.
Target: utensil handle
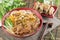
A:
x,y
42,32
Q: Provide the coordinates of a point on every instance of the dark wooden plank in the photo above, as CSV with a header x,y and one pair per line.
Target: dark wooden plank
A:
x,y
59,12
27,3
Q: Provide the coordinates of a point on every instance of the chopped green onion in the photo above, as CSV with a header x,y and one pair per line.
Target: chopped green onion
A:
x,y
8,23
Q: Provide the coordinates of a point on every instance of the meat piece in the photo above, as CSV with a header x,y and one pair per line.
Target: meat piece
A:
x,y
51,11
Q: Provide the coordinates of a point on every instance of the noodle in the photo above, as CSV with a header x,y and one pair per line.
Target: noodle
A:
x,y
25,22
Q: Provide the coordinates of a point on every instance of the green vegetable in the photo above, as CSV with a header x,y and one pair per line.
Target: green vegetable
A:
x,y
41,1
8,23
0,16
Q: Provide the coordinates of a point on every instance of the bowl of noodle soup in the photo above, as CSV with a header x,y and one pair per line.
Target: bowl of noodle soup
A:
x,y
22,22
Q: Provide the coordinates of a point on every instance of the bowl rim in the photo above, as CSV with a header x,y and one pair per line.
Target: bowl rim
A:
x,y
35,12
